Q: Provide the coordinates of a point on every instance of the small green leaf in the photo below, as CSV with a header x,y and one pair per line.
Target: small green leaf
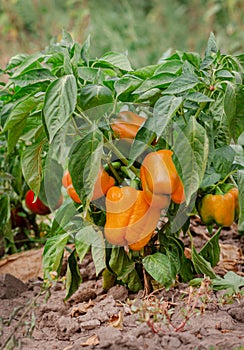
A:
x,y
4,209
211,250
161,268
201,265
98,252
241,200
230,281
73,276
211,46
124,268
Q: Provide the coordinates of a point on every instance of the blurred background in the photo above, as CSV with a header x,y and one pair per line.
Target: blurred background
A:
x,y
143,28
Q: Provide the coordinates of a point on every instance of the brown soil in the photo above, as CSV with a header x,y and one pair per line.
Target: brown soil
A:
x,y
183,317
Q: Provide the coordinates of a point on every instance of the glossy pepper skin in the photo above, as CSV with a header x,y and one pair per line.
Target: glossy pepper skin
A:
x,y
217,209
37,207
160,180
235,193
103,183
127,124
129,218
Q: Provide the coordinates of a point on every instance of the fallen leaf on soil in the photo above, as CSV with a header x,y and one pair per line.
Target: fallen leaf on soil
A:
x,y
24,265
93,340
81,309
230,257
117,321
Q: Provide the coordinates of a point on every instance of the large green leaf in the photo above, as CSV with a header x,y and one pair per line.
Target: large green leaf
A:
x,y
53,253
223,159
17,119
93,95
164,110
191,150
161,267
33,76
182,83
31,162
161,80
117,60
60,102
84,163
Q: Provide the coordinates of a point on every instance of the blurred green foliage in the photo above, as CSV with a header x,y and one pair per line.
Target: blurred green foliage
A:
x,y
143,28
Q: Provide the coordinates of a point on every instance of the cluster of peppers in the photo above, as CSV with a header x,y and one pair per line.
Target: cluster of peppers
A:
x,y
131,214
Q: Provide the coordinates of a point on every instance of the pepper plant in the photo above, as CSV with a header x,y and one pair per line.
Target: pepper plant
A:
x,y
69,113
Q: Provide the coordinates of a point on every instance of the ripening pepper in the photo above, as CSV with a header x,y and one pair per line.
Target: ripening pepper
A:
x,y
235,193
160,180
129,218
103,183
126,124
217,209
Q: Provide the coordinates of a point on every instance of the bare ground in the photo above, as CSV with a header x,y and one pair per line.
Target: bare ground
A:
x,y
183,317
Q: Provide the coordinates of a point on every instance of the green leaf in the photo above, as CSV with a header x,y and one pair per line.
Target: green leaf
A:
x,y
161,80
201,265
125,86
17,120
16,61
94,95
60,102
237,126
211,250
161,268
124,268
211,46
183,83
32,76
171,66
193,58
31,162
84,163
198,97
223,159
98,252
230,103
62,218
164,110
230,281
88,73
53,173
117,59
4,209
73,276
191,154
240,175
84,239
53,253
